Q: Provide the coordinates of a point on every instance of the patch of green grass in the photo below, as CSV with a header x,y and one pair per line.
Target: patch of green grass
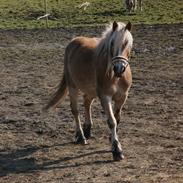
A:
x,y
24,14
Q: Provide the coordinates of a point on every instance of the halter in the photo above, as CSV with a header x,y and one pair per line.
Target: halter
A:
x,y
122,60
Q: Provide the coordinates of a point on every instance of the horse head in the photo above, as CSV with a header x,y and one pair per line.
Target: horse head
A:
x,y
120,45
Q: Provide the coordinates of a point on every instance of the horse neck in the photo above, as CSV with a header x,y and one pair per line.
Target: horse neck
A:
x,y
103,57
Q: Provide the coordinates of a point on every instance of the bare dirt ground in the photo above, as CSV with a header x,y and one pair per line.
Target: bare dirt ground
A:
x,y
37,147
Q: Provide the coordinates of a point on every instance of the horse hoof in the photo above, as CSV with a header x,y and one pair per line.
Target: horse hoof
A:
x,y
87,135
80,139
117,156
87,131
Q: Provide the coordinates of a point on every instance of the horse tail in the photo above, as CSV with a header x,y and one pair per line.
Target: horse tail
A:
x,y
58,95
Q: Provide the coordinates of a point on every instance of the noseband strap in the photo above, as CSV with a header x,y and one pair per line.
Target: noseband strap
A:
x,y
121,59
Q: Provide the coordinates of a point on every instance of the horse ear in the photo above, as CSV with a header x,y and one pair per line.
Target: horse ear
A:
x,y
128,26
115,25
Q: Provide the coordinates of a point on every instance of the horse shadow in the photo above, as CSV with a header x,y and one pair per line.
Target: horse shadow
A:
x,y
21,161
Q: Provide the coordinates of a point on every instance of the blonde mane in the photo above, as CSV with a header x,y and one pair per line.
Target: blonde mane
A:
x,y
103,48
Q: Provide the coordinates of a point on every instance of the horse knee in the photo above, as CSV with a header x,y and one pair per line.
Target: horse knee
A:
x,y
117,116
118,119
111,123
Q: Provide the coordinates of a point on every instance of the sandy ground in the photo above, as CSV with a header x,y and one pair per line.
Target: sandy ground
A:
x,y
37,147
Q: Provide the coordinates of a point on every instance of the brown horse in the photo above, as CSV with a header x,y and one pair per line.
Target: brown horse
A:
x,y
131,5
98,67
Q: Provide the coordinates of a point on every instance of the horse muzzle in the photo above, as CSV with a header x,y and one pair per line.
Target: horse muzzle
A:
x,y
119,65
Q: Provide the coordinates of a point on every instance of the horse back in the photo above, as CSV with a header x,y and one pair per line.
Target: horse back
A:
x,y
79,63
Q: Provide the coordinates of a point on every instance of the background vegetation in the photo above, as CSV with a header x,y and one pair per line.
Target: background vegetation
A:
x,y
24,13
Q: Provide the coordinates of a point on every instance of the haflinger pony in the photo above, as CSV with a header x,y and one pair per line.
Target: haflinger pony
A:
x,y
131,5
98,67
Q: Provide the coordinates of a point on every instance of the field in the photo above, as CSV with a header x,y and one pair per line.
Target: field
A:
x,y
39,147
23,14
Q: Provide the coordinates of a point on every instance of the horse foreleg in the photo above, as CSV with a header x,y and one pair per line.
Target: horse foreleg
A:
x,y
80,138
88,119
116,146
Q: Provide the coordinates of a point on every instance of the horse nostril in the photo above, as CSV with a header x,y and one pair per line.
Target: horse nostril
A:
x,y
118,69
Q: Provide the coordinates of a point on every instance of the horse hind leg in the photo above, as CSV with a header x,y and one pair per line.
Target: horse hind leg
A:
x,y
119,103
128,6
79,137
140,5
88,119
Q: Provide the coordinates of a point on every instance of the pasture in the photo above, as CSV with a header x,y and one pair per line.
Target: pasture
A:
x,y
24,14
38,147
